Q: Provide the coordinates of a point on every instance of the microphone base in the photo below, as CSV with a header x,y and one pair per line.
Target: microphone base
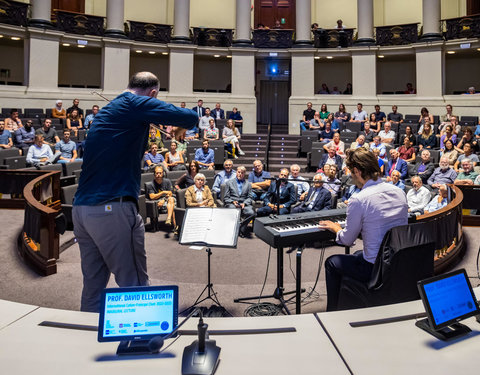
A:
x,y
133,347
195,363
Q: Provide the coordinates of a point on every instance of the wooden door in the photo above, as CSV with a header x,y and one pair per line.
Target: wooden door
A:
x,y
274,96
268,11
473,7
77,6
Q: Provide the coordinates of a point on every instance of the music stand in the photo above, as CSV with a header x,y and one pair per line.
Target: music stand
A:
x,y
210,227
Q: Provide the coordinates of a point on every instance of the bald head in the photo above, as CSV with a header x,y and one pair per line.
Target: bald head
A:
x,y
144,83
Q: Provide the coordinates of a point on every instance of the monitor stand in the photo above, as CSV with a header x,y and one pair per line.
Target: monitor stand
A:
x,y
133,347
447,333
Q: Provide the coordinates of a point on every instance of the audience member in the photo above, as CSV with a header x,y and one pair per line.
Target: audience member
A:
x,y
396,181
455,126
327,133
211,132
359,115
231,135
222,177
161,190
470,91
238,195
260,180
89,118
13,122
49,134
408,134
410,89
324,90
407,151
286,196
205,156
450,152
331,157
376,144
314,26
439,201
153,158
187,179
417,197
340,25
24,136
66,148
379,115
335,125
341,115
235,115
446,118
467,138
331,182
174,159
324,112
39,153
387,135
199,109
367,132
337,143
442,175
74,121
348,89
316,123
424,117
204,121
394,117
154,138
192,134
381,162
316,198
277,25
308,115
448,135
467,153
199,194
335,91
58,111
396,164
76,102
468,175
352,191
298,181
218,113
360,142
427,138
424,168
5,137
376,126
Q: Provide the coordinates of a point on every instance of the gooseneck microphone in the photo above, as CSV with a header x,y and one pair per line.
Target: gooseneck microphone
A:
x,y
156,343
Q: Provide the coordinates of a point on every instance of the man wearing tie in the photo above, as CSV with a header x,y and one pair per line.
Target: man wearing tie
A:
x,y
286,196
317,198
396,164
199,109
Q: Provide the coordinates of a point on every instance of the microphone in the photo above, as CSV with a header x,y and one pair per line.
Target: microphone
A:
x,y
156,343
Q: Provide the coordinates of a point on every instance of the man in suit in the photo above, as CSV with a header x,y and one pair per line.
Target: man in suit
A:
x,y
396,164
286,196
317,198
218,113
237,195
199,109
331,158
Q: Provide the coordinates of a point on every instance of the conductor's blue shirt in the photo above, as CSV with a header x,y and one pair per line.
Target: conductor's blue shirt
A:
x,y
116,143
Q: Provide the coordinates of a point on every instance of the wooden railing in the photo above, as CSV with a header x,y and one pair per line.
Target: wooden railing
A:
x,y
333,38
203,36
462,27
149,32
13,12
79,23
396,34
273,38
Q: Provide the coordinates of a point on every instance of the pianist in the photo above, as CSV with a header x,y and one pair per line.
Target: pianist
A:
x,y
380,204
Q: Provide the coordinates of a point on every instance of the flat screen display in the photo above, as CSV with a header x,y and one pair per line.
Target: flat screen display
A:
x,y
448,299
137,313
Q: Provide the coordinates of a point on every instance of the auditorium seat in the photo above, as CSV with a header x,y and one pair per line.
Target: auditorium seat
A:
x,y
15,162
67,193
406,256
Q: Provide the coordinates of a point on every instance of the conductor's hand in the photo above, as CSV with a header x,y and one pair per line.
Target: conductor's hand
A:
x,y
329,225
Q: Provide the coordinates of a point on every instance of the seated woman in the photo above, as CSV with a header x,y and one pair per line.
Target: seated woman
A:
x,y
375,125
450,152
232,135
407,151
174,159
408,134
58,111
199,194
74,122
426,139
324,112
187,179
181,142
424,117
211,133
448,135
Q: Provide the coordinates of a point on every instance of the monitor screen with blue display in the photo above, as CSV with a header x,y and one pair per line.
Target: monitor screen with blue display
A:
x,y
137,313
448,299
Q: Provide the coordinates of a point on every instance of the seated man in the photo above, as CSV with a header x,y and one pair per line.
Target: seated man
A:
x,y
417,197
368,206
338,144
204,121
360,142
66,148
199,194
377,144
360,115
154,139
467,154
39,153
205,156
396,181
258,179
75,104
331,157
237,195
442,175
332,183
5,136
286,196
25,136
154,158
394,117
223,176
424,168
387,135
396,164
368,133
327,133
49,134
161,190
218,113
351,192
235,115
89,119
316,198
308,115
439,201
379,115
302,185
468,175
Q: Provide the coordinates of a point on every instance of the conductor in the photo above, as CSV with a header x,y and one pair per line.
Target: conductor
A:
x,y
107,225
377,208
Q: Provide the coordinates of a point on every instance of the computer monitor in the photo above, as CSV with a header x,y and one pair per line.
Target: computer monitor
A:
x,y
448,299
137,314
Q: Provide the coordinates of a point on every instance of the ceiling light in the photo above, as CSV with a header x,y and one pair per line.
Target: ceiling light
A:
x,y
229,56
478,49
138,51
216,55
165,53
329,57
15,38
66,44
451,52
81,46
151,52
381,56
317,57
1,36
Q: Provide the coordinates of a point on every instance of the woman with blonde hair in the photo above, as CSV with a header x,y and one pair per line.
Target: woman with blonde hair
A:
x,y
427,138
231,135
74,121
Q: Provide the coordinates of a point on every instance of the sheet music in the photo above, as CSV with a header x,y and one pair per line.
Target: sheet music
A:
x,y
210,226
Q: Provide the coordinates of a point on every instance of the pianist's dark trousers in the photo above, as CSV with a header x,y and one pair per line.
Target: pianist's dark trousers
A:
x,y
338,266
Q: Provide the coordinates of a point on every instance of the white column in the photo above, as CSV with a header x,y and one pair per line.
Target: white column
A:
x,y
430,64
115,66
42,56
243,86
41,13
365,22
364,73
181,21
242,30
431,19
181,70
115,19
303,19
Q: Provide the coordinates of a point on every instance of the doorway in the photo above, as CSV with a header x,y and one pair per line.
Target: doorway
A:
x,y
274,96
268,11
